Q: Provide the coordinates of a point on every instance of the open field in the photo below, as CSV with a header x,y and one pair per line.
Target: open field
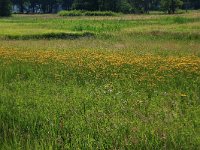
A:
x,y
122,82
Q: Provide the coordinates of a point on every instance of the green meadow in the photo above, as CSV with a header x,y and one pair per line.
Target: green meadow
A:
x,y
100,82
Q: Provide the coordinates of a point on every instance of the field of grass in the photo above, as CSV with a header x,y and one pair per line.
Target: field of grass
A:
x,y
120,82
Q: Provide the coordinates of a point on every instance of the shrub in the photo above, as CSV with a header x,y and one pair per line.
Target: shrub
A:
x,y
99,13
86,13
70,13
59,35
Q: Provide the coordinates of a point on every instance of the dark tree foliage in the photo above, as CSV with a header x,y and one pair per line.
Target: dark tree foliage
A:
x,y
125,6
86,5
170,6
5,8
67,4
194,4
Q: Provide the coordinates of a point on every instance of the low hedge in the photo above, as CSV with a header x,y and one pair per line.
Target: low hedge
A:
x,y
86,13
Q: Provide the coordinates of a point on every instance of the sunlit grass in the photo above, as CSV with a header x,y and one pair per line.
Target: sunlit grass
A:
x,y
134,84
18,25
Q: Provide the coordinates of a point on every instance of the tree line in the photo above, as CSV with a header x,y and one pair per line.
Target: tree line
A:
x,y
124,6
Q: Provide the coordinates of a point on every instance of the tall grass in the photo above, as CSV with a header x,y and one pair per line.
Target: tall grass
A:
x,y
98,100
134,84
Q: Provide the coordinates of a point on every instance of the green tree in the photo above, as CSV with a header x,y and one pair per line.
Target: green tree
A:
x,y
170,6
111,5
137,5
33,4
194,4
124,6
5,8
86,5
67,4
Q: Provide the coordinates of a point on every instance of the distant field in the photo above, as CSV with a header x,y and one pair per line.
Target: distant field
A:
x,y
121,82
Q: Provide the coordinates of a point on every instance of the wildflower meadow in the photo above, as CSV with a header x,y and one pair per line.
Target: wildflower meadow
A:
x,y
115,82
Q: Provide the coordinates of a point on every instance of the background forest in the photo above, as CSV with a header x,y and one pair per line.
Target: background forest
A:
x,y
124,6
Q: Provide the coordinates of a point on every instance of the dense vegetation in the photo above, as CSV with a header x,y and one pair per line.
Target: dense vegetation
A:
x,y
86,13
126,6
5,8
118,82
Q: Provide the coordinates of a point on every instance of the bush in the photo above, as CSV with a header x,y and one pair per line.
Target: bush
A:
x,y
70,13
99,13
86,13
59,35
5,8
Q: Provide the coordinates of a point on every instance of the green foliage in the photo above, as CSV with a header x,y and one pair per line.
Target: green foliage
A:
x,y
51,104
133,86
86,13
171,6
100,13
59,35
90,5
71,13
125,7
5,8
